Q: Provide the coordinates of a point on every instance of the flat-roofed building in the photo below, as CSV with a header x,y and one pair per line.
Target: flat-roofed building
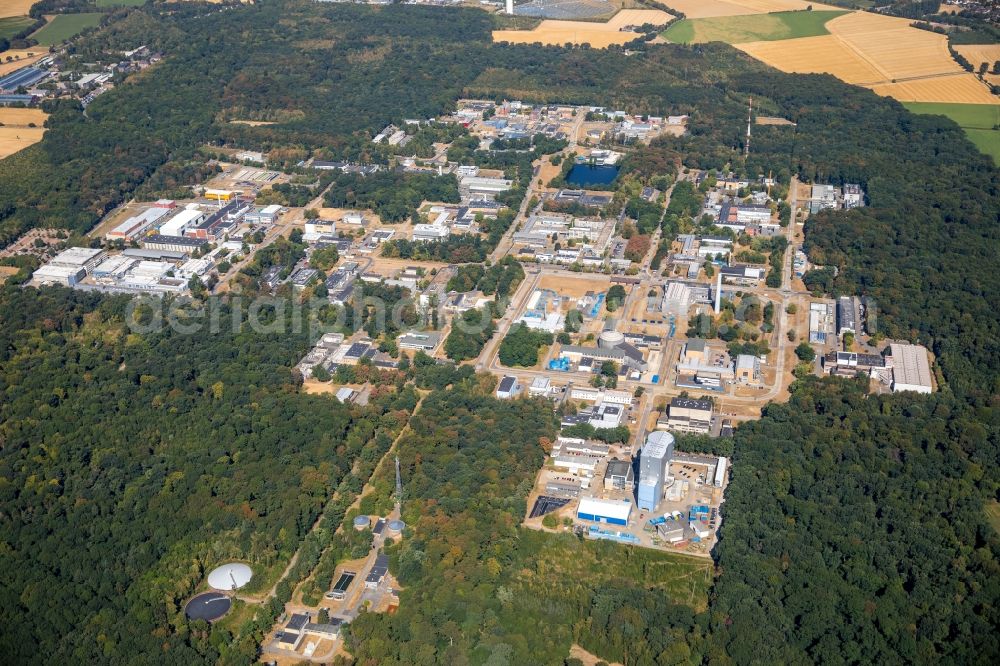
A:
x,y
854,197
430,232
689,415
604,511
579,446
563,488
426,341
264,215
540,386
181,222
695,351
677,299
847,321
576,463
607,416
748,369
509,388
849,364
113,267
173,243
136,224
911,370
67,276
619,475
743,275
86,258
480,185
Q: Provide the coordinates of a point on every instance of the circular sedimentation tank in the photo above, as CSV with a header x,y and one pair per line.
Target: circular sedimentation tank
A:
x,y
208,606
362,523
396,526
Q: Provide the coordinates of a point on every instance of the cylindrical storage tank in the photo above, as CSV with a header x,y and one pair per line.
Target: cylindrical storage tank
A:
x,y
396,526
611,339
361,523
230,576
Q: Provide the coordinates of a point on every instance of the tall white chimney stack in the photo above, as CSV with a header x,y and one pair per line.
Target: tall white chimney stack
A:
x,y
510,7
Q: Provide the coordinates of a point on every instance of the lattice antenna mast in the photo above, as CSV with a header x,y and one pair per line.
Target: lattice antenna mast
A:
x,y
399,487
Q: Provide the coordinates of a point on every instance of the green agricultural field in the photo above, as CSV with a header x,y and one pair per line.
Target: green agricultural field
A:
x,y
12,25
981,122
754,28
64,26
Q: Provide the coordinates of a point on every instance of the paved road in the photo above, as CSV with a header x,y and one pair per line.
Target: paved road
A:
x,y
506,243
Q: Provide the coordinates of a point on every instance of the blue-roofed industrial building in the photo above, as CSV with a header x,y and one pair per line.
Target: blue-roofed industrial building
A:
x,y
24,77
7,100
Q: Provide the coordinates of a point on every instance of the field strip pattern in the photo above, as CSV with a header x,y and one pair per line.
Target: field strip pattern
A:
x,y
979,53
882,53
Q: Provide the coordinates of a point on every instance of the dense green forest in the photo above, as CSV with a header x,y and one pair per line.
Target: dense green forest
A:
x,y
853,530
132,463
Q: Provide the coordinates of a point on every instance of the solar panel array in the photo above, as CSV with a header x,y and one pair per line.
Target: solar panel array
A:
x,y
546,504
565,9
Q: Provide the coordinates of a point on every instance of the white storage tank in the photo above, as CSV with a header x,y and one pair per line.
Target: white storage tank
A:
x,y
611,339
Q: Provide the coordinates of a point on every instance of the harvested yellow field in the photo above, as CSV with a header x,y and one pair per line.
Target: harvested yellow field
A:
x,y
15,134
979,53
694,9
13,139
10,8
892,46
599,35
824,54
22,117
962,88
882,53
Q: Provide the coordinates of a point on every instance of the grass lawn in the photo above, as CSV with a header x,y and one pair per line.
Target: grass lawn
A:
x,y
13,25
64,26
570,564
978,121
753,28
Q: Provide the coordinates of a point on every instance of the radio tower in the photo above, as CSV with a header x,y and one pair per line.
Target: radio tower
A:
x,y
399,488
746,148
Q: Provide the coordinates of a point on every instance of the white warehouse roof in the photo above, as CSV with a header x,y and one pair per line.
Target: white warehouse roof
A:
x,y
606,508
75,256
911,371
175,226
